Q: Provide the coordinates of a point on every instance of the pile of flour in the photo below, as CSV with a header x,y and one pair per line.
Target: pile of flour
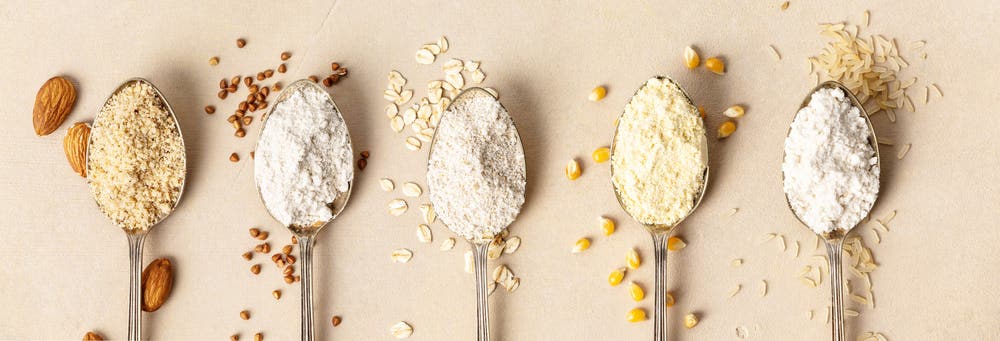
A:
x,y
304,158
476,172
831,172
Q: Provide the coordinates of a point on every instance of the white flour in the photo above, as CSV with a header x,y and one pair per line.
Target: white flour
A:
x,y
304,158
475,172
831,173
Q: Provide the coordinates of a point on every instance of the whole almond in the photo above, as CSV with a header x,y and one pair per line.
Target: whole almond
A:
x,y
92,336
75,146
52,104
157,280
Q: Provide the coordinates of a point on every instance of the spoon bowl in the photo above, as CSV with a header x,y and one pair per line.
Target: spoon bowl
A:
x,y
480,242
834,239
660,229
306,234
137,237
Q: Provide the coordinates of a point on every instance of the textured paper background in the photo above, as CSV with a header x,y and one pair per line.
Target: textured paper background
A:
x,y
64,265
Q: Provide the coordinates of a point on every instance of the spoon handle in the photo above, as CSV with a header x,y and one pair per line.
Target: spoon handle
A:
x,y
835,251
305,259
135,243
482,293
660,302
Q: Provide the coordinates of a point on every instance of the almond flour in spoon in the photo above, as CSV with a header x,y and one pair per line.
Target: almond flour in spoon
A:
x,y
831,171
137,163
303,159
476,172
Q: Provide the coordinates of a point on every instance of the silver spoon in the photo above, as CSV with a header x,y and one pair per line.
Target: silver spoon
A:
x,y
481,245
834,240
660,231
307,234
137,237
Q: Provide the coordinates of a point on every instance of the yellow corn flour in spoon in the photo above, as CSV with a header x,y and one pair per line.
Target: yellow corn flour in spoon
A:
x,y
659,163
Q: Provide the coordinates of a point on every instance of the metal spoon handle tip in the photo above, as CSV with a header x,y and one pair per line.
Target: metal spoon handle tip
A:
x,y
660,287
482,293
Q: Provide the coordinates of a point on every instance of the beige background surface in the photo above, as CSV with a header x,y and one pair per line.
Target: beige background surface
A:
x,y
64,264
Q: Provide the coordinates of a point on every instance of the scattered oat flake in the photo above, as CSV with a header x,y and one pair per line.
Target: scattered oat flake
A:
x,y
386,184
736,263
428,213
784,5
401,255
401,330
781,240
733,212
397,207
471,65
412,189
470,262
769,236
851,313
735,290
424,234
443,44
810,314
512,245
867,15
902,151
424,56
763,288
878,239
448,244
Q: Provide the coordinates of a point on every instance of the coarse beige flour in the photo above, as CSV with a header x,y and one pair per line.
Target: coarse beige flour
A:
x,y
476,172
136,158
658,161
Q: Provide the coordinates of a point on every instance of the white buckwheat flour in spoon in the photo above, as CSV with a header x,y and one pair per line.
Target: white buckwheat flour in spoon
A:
x,y
831,172
304,158
476,172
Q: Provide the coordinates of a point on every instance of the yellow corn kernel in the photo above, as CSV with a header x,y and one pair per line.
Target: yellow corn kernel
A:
x,y
572,170
715,65
607,226
670,299
636,291
616,276
581,245
701,111
632,259
691,58
601,155
726,128
597,94
690,320
675,243
636,315
734,111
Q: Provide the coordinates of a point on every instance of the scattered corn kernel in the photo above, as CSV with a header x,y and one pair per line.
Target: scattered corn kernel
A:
x,y
636,315
734,111
690,320
675,243
581,245
607,226
670,299
701,111
636,291
726,128
597,94
601,155
632,259
715,65
691,58
615,278
572,170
